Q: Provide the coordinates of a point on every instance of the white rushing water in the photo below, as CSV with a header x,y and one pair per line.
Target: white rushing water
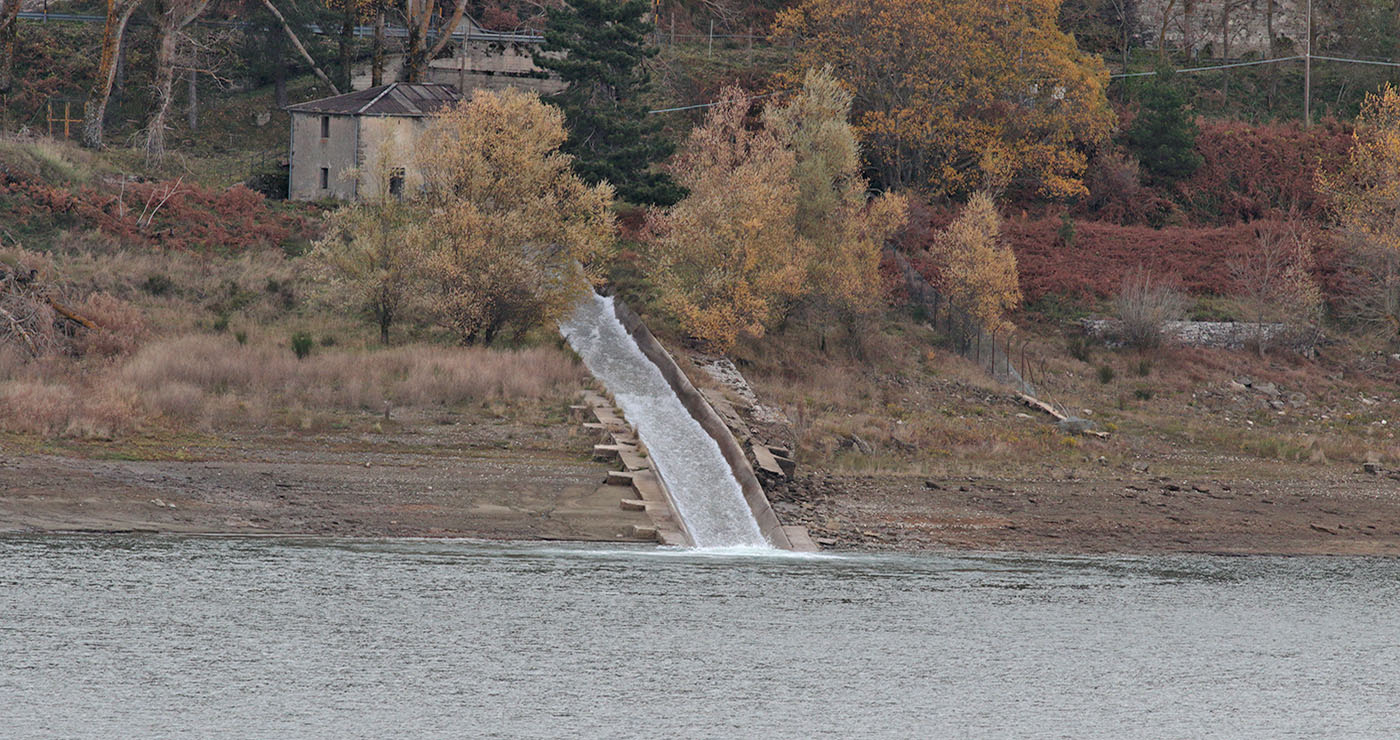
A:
x,y
706,494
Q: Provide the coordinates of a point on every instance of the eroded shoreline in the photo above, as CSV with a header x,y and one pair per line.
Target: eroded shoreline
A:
x,y
309,489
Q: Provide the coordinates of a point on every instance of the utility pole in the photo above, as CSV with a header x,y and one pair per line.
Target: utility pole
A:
x,y
1307,73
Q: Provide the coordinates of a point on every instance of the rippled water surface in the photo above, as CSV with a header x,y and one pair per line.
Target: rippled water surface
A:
x,y
154,637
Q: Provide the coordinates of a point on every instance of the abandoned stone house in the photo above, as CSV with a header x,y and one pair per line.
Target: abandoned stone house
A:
x,y
351,146
343,147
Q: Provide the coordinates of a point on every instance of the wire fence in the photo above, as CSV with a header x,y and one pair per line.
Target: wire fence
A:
x,y
1008,358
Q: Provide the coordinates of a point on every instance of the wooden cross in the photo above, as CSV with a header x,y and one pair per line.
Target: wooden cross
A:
x,y
66,119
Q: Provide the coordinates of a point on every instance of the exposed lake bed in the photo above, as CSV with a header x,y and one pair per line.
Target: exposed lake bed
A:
x,y
352,487
153,636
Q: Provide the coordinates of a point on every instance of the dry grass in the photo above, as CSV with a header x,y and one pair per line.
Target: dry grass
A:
x,y
212,382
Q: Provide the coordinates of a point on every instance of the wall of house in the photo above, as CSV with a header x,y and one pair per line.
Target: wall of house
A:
x,y
387,148
311,152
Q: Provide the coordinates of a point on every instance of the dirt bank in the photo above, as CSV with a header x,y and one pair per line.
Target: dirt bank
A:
x,y
1284,511
310,486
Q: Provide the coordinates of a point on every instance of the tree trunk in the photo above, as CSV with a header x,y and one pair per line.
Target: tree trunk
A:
x,y
377,56
296,42
1225,46
279,73
192,115
1273,52
419,55
118,13
9,30
347,36
164,86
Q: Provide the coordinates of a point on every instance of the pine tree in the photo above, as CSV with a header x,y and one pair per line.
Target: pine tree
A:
x,y
598,47
1164,135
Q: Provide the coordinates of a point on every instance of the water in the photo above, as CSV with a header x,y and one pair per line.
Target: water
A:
x,y
707,496
161,637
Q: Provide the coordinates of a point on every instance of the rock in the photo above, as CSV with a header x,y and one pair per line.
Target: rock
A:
x,y
1276,405
1075,425
1139,467
1198,488
1268,389
1297,400
1244,382
932,486
1371,467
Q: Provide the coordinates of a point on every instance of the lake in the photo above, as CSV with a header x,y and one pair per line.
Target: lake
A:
x,y
156,636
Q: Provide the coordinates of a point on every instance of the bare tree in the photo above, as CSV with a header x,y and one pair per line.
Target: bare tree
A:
x,y
418,55
1144,305
1276,291
174,17
118,15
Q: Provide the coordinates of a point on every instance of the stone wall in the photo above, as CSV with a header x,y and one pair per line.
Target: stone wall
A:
x,y
1197,25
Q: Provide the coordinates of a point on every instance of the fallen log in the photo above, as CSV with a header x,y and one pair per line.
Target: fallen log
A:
x,y
67,313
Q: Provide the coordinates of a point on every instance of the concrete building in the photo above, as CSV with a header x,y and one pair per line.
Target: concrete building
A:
x,y
480,60
353,145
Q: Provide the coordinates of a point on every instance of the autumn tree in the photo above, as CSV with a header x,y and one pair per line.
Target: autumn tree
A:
x,y
845,230
506,222
1365,197
976,267
729,258
373,249
113,31
776,215
959,95
599,49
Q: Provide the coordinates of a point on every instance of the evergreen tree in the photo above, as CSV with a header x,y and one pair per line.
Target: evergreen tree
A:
x,y
1164,134
598,48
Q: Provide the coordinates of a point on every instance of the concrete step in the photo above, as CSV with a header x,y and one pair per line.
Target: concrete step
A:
x,y
800,538
619,478
766,461
633,504
644,532
631,459
612,452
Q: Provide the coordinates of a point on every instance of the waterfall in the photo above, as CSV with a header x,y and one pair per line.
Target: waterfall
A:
x,y
703,488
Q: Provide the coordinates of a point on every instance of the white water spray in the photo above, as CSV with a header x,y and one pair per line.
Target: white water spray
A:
x,y
707,496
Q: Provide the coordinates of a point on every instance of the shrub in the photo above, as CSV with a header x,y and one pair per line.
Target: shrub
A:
x,y
301,344
1143,394
1079,348
1144,305
1144,367
976,268
1106,374
157,284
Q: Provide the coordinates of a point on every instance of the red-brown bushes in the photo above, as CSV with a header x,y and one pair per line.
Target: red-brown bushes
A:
x,y
1250,172
1093,266
169,214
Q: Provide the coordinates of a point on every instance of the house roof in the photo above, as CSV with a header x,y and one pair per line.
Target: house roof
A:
x,y
394,99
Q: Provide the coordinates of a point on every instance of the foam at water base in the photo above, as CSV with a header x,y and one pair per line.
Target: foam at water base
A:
x,y
706,495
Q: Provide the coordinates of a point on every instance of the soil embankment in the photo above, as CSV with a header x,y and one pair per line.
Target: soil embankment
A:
x,y
310,487
1311,513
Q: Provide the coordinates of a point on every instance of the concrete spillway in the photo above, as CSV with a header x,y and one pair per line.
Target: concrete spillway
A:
x,y
702,485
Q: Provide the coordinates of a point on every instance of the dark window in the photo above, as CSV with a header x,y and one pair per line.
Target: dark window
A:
x,y
325,127
396,183
325,178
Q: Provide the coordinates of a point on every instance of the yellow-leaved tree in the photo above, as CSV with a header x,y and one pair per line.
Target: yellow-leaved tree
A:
x,y
776,214
507,223
977,268
844,228
373,248
1365,199
728,256
953,96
